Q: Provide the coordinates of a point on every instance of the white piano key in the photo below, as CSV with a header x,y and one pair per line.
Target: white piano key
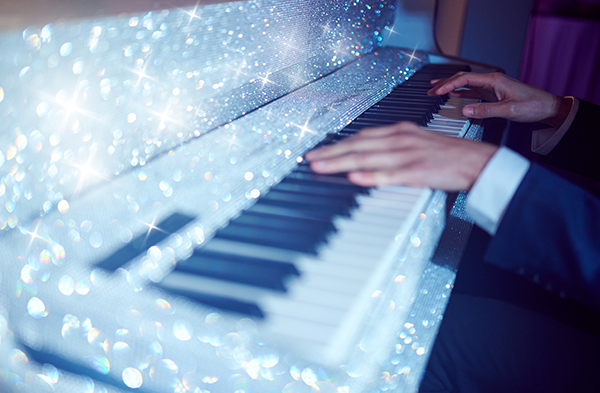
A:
x,y
448,122
367,220
399,198
334,284
394,205
382,211
331,268
365,239
247,249
296,328
213,286
401,190
352,253
365,227
288,307
440,126
324,297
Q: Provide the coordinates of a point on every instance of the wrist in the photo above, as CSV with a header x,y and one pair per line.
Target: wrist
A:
x,y
490,196
561,111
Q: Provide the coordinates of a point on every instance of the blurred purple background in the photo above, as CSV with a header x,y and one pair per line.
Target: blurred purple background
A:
x,y
562,48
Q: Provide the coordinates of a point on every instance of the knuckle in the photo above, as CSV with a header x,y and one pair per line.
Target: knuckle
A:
x,y
352,144
384,177
361,159
498,77
407,139
483,110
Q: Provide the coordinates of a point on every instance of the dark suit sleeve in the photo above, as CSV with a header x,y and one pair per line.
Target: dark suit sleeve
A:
x,y
551,233
579,150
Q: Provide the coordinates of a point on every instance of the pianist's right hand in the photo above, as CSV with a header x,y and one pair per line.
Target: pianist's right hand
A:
x,y
504,97
407,154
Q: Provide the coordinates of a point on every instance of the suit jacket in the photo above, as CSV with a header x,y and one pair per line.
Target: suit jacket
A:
x,y
551,229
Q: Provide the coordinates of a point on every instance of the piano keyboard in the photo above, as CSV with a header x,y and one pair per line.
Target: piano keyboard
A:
x,y
308,255
304,260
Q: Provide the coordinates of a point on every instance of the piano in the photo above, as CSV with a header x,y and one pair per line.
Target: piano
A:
x,y
161,231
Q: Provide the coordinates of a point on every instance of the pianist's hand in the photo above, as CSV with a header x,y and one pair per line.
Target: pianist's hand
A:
x,y
505,97
406,154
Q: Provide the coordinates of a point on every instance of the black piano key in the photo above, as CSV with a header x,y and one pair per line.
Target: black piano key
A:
x,y
395,116
287,211
307,199
406,94
223,303
338,137
426,107
399,99
404,89
155,235
374,122
307,169
413,111
317,189
277,238
319,178
241,269
421,91
422,85
262,225
282,222
298,178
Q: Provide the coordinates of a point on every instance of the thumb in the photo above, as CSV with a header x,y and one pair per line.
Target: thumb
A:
x,y
483,110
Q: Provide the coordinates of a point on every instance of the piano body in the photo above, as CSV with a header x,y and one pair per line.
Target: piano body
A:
x,y
160,230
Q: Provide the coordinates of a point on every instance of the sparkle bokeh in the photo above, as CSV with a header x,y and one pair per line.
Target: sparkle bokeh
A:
x,y
110,125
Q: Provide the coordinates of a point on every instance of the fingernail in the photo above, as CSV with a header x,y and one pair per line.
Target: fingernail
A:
x,y
434,81
468,111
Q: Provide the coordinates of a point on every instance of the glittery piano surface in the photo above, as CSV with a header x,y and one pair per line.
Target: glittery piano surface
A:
x,y
112,128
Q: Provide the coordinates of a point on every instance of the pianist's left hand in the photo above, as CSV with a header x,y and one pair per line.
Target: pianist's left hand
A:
x,y
405,154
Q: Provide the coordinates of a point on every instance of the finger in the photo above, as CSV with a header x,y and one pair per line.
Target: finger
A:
x,y
484,110
364,161
355,143
368,139
384,177
455,82
462,79
435,82
467,94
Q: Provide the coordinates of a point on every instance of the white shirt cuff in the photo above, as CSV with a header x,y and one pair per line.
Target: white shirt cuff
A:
x,y
494,189
543,141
